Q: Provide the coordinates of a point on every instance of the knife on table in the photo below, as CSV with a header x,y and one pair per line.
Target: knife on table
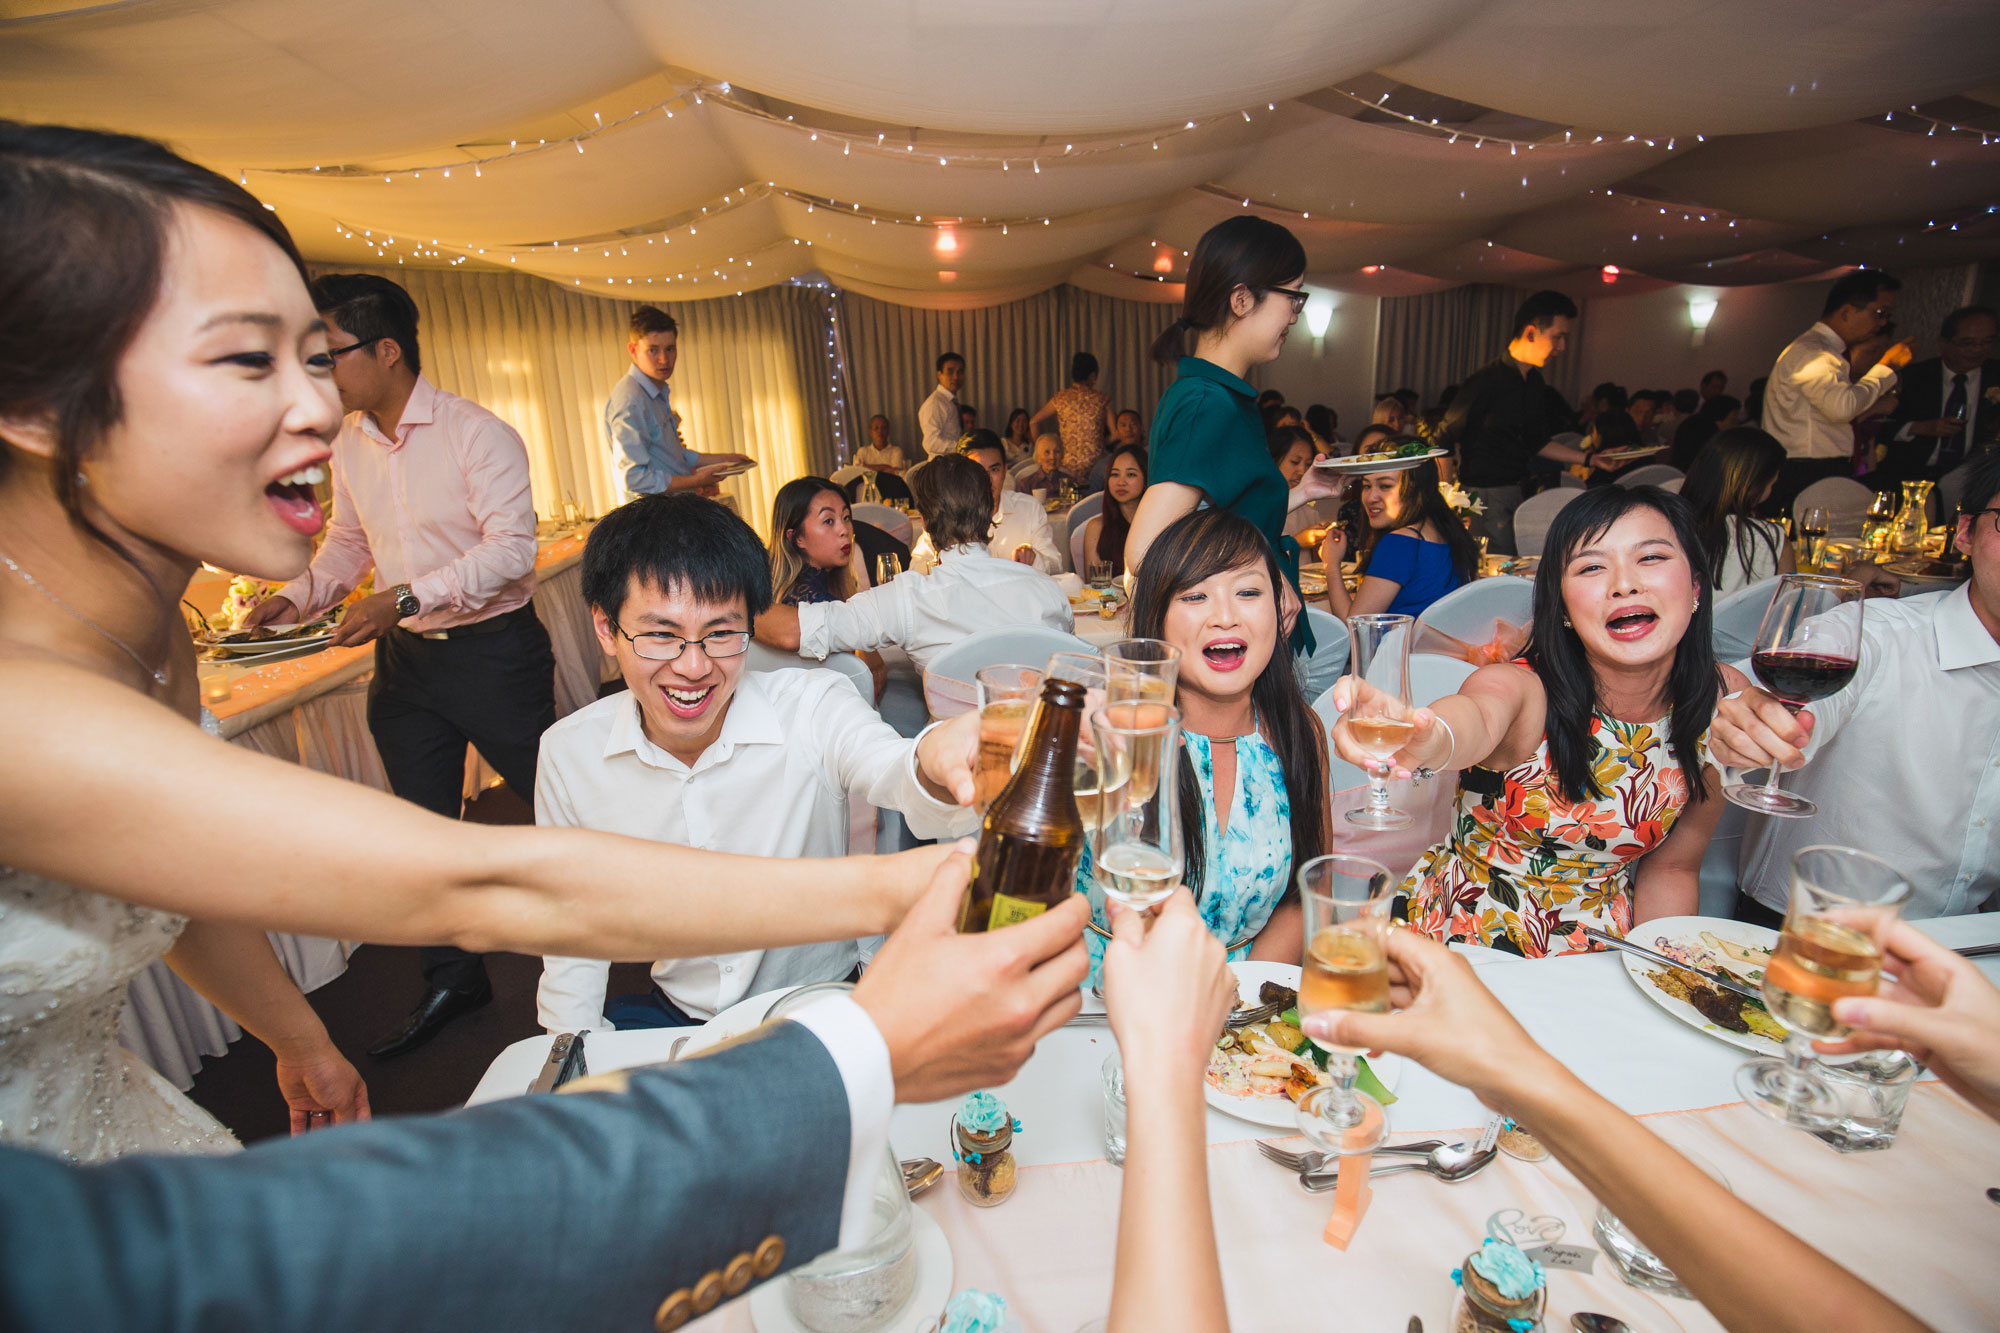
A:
x,y
1722,979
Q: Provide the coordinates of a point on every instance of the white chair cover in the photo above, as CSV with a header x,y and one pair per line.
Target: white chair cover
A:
x,y
763,657
1653,474
1077,558
892,521
1845,500
1340,775
847,474
1672,485
1569,481
1736,618
948,683
1532,519
1718,864
1468,612
1081,513
1328,660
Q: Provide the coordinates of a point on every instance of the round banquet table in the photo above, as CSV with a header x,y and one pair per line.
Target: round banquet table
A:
x,y
1912,1220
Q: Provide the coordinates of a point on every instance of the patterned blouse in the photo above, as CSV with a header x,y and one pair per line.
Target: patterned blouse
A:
x,y
1246,873
1080,422
1525,868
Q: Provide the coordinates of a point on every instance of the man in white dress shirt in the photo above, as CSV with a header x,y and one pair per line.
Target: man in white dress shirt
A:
x,y
938,416
879,453
703,753
1021,531
1812,399
1904,762
923,614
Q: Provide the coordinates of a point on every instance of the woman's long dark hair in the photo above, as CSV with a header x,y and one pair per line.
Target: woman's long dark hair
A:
x,y
1243,251
789,509
1114,527
1557,654
85,219
1727,478
1197,548
1420,499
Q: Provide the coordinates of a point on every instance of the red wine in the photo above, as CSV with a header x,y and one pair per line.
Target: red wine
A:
x,y
1799,678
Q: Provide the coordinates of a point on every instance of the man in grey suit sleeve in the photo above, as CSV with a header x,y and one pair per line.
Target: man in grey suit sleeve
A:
x,y
647,1200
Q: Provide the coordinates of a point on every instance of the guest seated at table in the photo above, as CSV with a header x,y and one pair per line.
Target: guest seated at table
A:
x,y
1020,530
1104,533
700,751
1585,796
1293,450
1714,416
1019,441
879,453
1127,432
1047,474
1414,551
1903,760
1253,788
1732,475
1324,423
1373,438
1747,1271
815,556
970,590
1610,430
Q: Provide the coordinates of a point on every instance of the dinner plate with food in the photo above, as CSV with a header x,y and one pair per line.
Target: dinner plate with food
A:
x,y
266,640
1258,1072
1714,944
1628,453
1399,460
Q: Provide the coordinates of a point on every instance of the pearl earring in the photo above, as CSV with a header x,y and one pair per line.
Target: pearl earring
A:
x,y
1566,624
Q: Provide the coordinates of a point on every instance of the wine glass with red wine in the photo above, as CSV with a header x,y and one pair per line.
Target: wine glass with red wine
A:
x,y
1807,648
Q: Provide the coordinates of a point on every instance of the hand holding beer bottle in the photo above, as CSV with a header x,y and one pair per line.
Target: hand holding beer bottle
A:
x,y
1033,835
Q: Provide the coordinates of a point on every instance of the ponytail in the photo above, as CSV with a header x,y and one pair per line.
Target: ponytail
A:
x,y
1243,251
1171,345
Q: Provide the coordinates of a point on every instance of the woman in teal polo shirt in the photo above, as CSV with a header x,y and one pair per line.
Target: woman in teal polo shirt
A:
x,y
1207,444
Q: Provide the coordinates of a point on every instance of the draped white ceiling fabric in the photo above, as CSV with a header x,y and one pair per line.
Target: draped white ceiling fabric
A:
x,y
955,155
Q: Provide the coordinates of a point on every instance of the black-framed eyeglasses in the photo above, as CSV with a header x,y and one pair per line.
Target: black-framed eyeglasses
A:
x,y
658,646
1977,513
351,347
1296,295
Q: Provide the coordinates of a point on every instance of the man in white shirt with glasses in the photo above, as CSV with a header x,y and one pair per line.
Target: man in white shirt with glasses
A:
x,y
1905,761
701,752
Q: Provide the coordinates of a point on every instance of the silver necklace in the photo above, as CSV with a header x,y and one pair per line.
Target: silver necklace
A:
x,y
159,675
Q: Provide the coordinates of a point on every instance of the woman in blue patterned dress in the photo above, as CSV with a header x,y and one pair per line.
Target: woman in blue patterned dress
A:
x,y
1253,792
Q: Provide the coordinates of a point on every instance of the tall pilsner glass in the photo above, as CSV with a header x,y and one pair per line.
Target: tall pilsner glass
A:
x,y
1135,846
1007,697
1346,904
1382,658
1843,903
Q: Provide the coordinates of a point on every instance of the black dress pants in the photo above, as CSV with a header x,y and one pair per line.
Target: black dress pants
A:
x,y
430,697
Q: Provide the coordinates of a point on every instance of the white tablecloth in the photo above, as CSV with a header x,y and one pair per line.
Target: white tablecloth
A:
x,y
1895,1217
324,726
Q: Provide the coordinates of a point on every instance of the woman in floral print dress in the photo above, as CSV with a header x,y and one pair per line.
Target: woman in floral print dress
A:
x,y
1253,791
1585,796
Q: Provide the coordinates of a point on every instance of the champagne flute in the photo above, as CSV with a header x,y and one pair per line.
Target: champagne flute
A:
x,y
1087,670
1382,658
1813,526
1007,697
887,566
1807,648
1136,851
1346,904
1842,904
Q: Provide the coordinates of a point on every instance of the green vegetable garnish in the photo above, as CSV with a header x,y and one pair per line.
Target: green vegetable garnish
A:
x,y
1365,1082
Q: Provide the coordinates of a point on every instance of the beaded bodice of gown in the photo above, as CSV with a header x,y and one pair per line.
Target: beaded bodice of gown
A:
x,y
66,1086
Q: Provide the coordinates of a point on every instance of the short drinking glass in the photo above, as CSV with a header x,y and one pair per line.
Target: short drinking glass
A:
x,y
1137,669
1007,698
1842,903
1346,904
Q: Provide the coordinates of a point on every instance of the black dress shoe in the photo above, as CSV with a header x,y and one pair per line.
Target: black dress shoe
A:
x,y
438,1007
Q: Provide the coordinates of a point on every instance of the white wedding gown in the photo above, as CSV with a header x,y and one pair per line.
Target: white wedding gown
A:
x,y
66,1086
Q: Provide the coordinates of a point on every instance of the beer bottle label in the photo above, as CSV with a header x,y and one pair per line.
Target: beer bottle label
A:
x,y
1013,911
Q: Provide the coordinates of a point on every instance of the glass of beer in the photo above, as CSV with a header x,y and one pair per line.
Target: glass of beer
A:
x,y
887,566
1381,725
1007,697
1087,670
1141,669
1346,904
1842,904
1136,850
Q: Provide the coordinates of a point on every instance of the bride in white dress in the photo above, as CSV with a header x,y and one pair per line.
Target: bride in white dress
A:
x,y
163,381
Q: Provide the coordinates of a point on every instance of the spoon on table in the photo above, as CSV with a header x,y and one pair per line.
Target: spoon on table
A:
x,y
1449,1163
1587,1322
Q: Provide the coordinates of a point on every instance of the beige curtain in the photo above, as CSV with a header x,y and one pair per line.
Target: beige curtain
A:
x,y
1427,342
754,377
1016,355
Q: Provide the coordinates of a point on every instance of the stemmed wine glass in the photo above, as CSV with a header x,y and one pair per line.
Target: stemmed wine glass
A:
x,y
1382,658
1807,648
1346,904
1842,904
1813,526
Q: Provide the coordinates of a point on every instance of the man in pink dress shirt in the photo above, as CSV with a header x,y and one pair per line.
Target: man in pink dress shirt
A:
x,y
431,491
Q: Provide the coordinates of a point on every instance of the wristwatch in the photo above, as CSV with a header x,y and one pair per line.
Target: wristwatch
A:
x,y
406,601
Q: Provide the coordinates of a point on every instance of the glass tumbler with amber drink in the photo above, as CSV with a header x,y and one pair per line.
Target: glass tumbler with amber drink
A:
x,y
1346,905
1842,904
1007,697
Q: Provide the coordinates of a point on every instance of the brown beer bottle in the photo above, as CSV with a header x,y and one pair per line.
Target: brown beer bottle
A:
x,y
1032,837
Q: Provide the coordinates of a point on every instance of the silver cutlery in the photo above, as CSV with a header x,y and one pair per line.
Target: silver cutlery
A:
x,y
1243,1018
674,1051
1722,979
1586,1322
1449,1163
1088,1020
1977,950
920,1173
1313,1161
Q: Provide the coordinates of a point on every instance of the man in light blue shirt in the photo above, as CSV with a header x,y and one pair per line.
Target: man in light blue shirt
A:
x,y
646,450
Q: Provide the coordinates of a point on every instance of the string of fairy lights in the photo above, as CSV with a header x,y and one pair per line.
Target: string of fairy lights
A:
x,y
905,145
